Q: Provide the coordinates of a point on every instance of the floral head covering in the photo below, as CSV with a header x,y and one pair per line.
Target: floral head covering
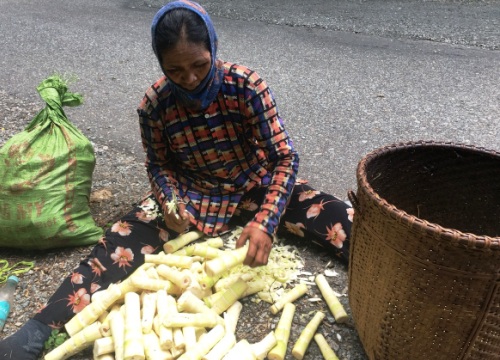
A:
x,y
206,92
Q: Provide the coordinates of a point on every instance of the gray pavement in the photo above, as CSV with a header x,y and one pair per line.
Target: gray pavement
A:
x,y
349,76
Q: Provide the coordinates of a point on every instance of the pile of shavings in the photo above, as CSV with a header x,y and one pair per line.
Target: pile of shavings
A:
x,y
284,269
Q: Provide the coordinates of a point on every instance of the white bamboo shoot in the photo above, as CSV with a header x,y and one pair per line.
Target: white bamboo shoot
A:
x,y
262,348
305,337
133,346
226,261
181,241
76,343
324,347
241,351
148,311
205,344
103,346
289,297
152,348
117,328
333,302
282,333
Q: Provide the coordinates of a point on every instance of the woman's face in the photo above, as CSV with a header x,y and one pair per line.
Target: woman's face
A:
x,y
187,64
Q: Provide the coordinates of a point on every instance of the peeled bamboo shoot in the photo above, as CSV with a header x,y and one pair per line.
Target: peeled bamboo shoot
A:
x,y
262,348
117,328
186,319
282,333
333,302
181,241
76,343
148,311
206,343
288,297
93,310
305,337
226,261
133,346
229,296
324,347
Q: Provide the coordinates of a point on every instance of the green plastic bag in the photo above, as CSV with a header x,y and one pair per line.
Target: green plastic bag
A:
x,y
46,177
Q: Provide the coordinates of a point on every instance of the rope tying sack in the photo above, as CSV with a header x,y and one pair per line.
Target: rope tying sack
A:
x,y
20,267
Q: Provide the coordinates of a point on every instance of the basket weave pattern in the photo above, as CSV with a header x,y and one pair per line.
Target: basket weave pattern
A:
x,y
424,275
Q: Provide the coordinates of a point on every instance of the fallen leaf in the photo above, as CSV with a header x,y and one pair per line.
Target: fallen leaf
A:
x,y
331,273
100,195
315,299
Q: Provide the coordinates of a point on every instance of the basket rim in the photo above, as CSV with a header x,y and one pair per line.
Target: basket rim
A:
x,y
456,237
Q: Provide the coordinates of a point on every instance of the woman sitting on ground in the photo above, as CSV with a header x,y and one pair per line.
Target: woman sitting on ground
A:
x,y
215,144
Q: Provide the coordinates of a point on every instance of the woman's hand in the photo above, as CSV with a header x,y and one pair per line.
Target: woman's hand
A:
x,y
178,221
259,247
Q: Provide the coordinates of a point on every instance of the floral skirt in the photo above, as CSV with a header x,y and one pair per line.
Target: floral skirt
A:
x,y
312,214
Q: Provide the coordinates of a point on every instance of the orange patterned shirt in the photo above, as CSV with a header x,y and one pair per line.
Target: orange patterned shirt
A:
x,y
210,158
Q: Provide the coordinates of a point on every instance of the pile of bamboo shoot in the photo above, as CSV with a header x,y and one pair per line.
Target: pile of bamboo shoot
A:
x,y
183,303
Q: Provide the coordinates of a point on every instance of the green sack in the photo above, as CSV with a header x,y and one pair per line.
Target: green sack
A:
x,y
46,177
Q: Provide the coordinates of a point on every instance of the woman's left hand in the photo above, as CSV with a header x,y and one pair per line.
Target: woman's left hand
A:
x,y
259,247
178,220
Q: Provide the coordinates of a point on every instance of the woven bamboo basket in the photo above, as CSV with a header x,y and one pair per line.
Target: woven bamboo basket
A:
x,y
424,273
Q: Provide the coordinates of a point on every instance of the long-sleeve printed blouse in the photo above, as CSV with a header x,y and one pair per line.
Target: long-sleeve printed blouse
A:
x,y
210,158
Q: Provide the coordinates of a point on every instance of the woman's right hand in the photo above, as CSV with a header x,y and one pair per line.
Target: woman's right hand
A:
x,y
178,221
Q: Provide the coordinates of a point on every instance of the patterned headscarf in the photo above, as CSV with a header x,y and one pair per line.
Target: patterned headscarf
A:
x,y
207,91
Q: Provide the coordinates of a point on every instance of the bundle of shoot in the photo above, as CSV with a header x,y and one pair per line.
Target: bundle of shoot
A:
x,y
183,303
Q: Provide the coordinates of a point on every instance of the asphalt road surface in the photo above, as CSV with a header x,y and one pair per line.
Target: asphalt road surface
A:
x,y
349,76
